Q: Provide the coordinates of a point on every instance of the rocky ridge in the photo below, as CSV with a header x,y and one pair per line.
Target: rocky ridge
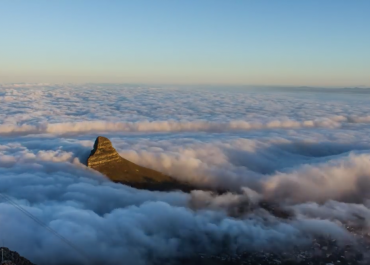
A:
x,y
13,258
105,159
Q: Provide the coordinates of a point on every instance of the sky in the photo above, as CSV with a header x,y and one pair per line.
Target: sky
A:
x,y
293,43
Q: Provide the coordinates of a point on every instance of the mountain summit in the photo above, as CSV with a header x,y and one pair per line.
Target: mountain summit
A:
x,y
105,159
102,153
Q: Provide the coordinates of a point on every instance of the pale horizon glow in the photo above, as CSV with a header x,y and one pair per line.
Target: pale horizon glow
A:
x,y
312,43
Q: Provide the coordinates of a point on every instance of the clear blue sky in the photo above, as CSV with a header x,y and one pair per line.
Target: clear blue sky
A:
x,y
277,42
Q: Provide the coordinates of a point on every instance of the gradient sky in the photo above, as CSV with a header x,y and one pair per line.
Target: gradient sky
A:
x,y
314,43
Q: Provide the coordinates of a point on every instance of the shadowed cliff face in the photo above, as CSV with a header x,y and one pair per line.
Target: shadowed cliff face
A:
x,y
13,258
105,159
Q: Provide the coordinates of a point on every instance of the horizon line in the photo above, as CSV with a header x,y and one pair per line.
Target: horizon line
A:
x,y
190,84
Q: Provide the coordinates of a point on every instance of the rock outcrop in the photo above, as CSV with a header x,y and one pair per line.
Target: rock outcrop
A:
x,y
103,153
105,159
13,258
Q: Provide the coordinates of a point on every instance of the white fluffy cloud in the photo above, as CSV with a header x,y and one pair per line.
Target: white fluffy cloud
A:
x,y
310,154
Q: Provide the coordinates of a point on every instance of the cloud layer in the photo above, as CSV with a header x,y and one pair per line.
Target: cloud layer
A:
x,y
308,154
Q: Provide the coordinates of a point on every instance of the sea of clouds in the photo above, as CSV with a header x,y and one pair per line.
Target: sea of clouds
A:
x,y
308,152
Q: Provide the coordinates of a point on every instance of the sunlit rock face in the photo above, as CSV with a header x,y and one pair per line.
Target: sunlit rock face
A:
x,y
105,159
102,153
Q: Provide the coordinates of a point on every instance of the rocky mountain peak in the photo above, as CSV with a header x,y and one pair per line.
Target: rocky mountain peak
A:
x,y
105,159
102,153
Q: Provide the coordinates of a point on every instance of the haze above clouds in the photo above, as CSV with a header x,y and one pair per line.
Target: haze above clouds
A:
x,y
307,151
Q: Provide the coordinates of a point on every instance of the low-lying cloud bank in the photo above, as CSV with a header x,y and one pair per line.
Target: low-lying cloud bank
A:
x,y
315,169
175,126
